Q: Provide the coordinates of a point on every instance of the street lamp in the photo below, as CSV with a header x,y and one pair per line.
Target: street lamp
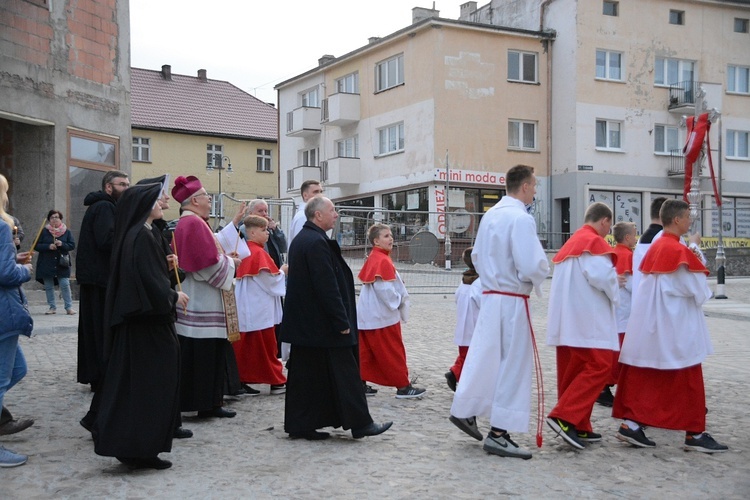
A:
x,y
220,167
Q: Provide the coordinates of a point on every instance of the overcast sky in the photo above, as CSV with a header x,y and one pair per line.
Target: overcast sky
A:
x,y
257,44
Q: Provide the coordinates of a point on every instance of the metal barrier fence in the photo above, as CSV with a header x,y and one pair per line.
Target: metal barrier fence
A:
x,y
281,210
419,255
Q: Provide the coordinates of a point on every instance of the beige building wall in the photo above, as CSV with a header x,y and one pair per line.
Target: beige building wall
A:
x,y
184,154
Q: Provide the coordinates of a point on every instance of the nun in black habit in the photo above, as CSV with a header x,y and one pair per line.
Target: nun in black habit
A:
x,y
139,407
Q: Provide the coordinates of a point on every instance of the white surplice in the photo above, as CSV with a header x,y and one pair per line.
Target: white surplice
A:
x,y
583,295
298,221
258,300
468,302
667,329
496,377
382,304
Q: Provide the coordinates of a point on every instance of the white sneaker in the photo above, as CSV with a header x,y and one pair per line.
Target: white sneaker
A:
x,y
504,447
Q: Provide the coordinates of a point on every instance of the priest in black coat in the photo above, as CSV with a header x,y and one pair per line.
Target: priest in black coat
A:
x,y
324,387
139,407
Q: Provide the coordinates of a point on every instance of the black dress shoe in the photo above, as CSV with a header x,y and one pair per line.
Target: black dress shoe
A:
x,y
13,426
371,430
182,433
310,435
145,463
450,378
217,412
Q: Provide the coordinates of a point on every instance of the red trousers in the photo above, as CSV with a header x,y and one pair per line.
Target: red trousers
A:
x,y
458,365
256,358
668,399
581,374
382,356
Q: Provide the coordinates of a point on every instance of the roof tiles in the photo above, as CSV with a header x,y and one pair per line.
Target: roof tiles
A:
x,y
191,105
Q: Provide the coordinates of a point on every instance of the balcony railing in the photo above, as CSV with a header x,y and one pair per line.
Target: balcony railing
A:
x,y
682,94
677,163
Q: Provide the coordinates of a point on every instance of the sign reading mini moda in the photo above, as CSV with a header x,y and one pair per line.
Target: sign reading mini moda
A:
x,y
475,177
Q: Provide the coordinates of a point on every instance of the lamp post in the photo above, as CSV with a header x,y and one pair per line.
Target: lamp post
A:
x,y
210,168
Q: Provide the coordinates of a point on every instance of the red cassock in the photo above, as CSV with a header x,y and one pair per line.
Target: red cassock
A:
x,y
668,399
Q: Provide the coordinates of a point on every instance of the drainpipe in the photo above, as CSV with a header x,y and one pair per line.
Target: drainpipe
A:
x,y
550,201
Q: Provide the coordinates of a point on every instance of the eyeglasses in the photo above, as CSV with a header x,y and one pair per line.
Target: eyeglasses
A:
x,y
54,217
201,194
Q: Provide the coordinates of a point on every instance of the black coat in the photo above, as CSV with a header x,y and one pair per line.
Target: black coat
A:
x,y
95,239
276,245
48,263
320,301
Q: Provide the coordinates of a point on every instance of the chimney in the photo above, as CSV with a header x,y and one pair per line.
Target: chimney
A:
x,y
373,39
420,14
325,59
166,72
466,10
202,75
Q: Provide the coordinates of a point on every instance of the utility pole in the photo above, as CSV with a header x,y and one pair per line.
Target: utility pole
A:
x,y
447,209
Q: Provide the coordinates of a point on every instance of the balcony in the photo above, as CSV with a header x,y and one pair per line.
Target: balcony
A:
x,y
340,171
682,97
303,122
340,109
296,176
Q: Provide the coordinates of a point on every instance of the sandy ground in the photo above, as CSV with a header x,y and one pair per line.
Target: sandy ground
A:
x,y
422,456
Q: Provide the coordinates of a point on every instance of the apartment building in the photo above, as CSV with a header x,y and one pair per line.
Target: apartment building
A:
x,y
624,74
384,125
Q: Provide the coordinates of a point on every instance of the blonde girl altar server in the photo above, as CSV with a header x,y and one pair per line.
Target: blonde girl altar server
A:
x,y
383,304
468,298
258,289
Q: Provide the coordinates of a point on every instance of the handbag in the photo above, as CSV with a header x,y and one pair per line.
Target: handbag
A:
x,y
64,260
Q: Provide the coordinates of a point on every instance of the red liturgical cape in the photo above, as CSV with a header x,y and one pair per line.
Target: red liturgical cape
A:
x,y
258,261
668,254
378,265
585,240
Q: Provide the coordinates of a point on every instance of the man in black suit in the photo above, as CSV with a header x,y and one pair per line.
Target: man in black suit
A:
x,y
324,388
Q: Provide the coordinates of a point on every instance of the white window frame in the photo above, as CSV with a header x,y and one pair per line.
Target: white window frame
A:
x,y
611,127
518,130
733,150
663,66
389,73
310,98
348,147
309,157
263,160
735,80
518,63
391,139
214,155
666,138
608,67
615,8
348,84
142,149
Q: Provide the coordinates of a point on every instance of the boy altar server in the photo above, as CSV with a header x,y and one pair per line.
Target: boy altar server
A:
x,y
582,324
383,304
661,379
259,288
